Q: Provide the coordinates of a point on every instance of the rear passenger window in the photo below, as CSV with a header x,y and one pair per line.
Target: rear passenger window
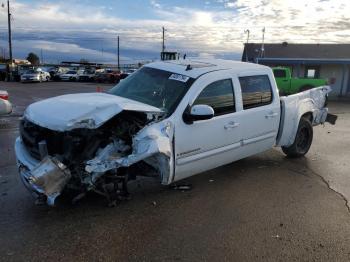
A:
x,y
256,91
219,95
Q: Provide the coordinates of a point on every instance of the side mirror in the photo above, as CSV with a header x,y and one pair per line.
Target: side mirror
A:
x,y
198,112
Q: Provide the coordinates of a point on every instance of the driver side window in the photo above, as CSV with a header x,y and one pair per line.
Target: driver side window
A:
x,y
219,95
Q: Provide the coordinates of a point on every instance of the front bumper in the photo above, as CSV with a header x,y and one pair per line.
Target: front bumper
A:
x,y
25,164
45,179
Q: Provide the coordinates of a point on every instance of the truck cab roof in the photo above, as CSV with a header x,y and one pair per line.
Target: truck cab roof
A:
x,y
194,68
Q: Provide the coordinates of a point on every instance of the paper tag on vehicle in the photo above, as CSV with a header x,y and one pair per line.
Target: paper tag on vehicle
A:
x,y
180,78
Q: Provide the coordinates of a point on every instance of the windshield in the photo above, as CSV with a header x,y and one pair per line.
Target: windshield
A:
x,y
154,87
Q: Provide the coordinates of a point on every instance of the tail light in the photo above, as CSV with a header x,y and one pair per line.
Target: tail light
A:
x,y
4,95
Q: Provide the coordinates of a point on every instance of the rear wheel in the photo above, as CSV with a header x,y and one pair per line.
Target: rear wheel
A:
x,y
302,141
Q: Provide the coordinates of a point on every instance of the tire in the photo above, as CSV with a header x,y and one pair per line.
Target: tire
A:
x,y
306,87
302,141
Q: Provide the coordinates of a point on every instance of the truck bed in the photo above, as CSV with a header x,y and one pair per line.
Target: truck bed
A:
x,y
293,107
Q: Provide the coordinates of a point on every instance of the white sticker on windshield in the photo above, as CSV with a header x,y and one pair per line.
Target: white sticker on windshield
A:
x,y
178,77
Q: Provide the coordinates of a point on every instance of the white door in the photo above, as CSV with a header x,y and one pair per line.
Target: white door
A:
x,y
261,113
206,144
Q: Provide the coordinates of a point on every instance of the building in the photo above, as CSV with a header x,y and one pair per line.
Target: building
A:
x,y
164,56
328,61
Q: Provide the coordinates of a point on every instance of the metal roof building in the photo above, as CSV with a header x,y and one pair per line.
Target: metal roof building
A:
x,y
330,61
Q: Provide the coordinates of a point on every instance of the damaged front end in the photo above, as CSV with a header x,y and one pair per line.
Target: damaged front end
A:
x,y
101,159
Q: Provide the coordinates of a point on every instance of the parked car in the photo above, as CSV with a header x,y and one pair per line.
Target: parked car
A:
x,y
35,75
126,73
108,76
86,76
71,75
5,105
291,85
222,111
55,72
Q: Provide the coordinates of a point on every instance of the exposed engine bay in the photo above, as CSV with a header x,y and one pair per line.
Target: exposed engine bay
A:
x,y
102,160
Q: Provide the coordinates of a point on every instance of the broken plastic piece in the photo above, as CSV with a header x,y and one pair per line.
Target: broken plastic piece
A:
x,y
50,176
184,187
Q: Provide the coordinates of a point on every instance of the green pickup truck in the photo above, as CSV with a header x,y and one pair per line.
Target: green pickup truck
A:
x,y
288,85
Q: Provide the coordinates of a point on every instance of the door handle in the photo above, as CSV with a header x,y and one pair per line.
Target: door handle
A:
x,y
271,115
231,125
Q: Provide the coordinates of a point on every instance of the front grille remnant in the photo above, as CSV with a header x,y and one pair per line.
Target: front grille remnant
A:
x,y
32,134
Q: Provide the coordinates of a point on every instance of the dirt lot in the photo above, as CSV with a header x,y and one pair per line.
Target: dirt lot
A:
x,y
263,208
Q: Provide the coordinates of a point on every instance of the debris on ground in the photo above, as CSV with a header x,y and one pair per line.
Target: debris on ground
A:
x,y
184,187
277,236
154,203
211,180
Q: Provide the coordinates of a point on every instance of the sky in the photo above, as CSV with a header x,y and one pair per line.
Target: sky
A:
x,y
88,29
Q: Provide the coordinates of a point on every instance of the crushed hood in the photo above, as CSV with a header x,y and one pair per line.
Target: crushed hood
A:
x,y
86,110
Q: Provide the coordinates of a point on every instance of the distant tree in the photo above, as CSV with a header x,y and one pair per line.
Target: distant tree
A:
x,y
33,59
83,60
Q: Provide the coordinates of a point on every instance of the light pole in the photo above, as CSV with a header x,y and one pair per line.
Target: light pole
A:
x,y
246,46
263,44
118,54
163,43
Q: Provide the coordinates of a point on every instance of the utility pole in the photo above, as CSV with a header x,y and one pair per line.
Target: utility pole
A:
x,y
10,38
246,46
118,54
163,45
262,54
41,56
9,28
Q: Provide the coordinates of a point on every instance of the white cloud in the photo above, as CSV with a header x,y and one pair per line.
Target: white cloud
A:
x,y
204,30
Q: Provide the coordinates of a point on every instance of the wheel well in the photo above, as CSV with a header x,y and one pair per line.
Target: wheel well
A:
x,y
308,116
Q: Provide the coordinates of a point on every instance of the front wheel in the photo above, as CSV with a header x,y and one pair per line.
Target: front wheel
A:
x,y
302,141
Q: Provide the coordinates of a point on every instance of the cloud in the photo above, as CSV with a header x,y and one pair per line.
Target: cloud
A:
x,y
214,28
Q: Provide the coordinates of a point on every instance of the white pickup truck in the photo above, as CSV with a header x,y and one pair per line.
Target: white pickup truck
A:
x,y
169,120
